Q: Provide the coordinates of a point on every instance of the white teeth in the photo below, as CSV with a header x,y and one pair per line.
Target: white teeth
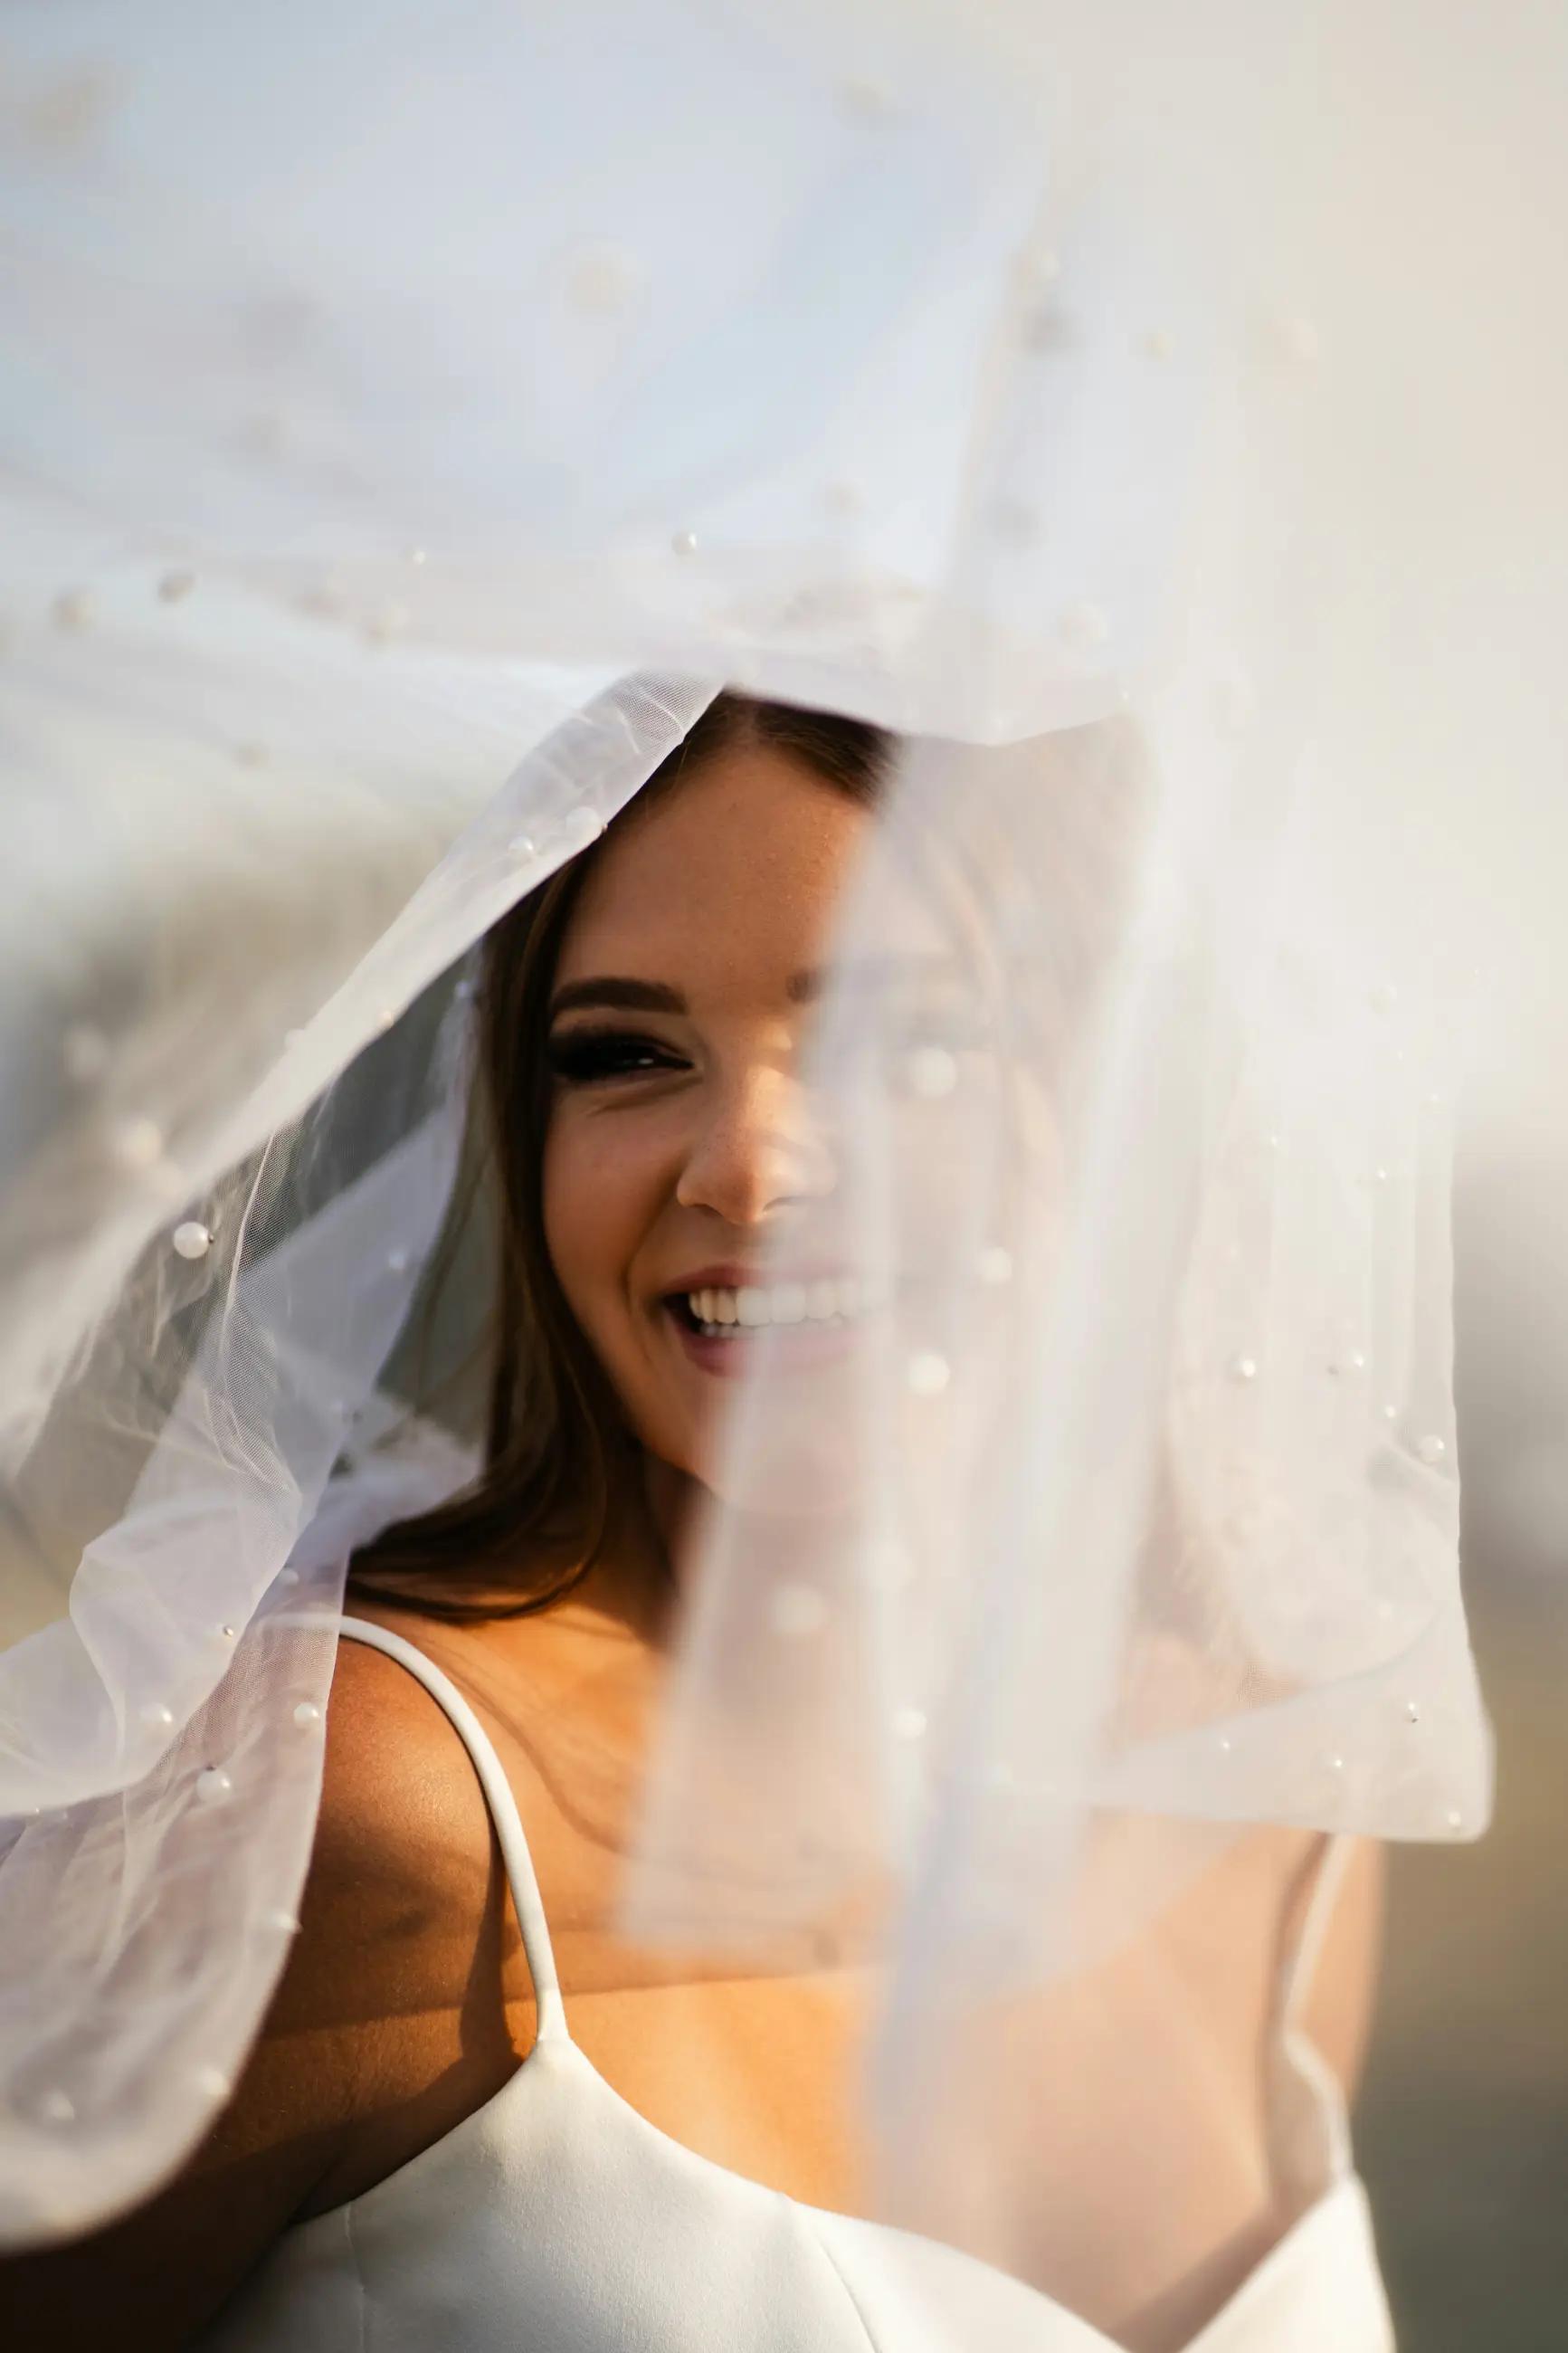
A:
x,y
753,1307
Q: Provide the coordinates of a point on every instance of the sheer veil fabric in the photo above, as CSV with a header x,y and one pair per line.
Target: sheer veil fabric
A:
x,y
413,417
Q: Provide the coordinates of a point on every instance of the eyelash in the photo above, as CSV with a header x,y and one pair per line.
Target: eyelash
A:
x,y
599,1056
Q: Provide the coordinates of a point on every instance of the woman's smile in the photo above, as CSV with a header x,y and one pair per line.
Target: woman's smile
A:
x,y
722,1315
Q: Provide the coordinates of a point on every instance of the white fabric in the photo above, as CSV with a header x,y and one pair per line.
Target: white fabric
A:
x,y
556,2215
412,416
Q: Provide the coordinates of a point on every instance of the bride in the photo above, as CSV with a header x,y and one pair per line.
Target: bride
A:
x,y
394,2139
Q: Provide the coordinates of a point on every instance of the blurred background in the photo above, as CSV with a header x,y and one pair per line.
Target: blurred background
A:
x,y
1462,2128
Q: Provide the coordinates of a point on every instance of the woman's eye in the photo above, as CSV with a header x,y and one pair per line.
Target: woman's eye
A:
x,y
956,1033
950,1029
583,1057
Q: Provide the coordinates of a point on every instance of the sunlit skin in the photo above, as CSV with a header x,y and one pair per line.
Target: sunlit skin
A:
x,y
407,2003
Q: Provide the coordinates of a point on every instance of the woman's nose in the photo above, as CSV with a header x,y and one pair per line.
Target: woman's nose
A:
x,y
760,1146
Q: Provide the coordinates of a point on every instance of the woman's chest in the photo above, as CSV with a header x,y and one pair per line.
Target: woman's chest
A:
x,y
759,2075
1135,2086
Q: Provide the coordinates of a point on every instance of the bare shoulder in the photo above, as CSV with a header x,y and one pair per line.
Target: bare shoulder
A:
x,y
403,1841
398,1978
387,2027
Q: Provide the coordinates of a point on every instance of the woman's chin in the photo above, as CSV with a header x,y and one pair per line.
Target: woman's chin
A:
x,y
783,1471
768,1423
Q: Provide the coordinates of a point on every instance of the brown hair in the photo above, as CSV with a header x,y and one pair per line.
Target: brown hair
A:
x,y
558,1453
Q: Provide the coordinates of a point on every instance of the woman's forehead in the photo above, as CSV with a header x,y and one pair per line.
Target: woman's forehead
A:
x,y
740,868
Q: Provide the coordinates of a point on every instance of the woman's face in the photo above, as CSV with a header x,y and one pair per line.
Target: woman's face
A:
x,y
680,1147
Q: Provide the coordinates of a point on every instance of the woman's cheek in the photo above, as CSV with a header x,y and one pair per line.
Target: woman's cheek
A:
x,y
573,1206
593,1209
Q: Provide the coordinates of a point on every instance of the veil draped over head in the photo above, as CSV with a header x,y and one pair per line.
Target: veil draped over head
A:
x,y
412,416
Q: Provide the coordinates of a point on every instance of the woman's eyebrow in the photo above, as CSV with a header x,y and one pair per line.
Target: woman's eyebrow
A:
x,y
624,996
605,991
888,969
872,971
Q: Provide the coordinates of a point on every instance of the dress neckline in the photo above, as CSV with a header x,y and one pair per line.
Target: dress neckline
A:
x,y
558,2052
1093,2339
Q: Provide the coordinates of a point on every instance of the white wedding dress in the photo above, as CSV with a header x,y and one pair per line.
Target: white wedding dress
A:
x,y
556,2216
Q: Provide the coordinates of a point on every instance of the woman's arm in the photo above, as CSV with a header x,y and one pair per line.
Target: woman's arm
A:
x,y
387,2027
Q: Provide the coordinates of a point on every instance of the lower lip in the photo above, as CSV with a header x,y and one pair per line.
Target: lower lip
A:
x,y
790,1346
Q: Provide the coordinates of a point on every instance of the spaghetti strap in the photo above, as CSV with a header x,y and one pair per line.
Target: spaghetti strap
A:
x,y
1301,1960
550,2009
1310,2124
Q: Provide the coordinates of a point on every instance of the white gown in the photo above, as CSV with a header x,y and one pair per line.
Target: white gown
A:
x,y
557,2217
